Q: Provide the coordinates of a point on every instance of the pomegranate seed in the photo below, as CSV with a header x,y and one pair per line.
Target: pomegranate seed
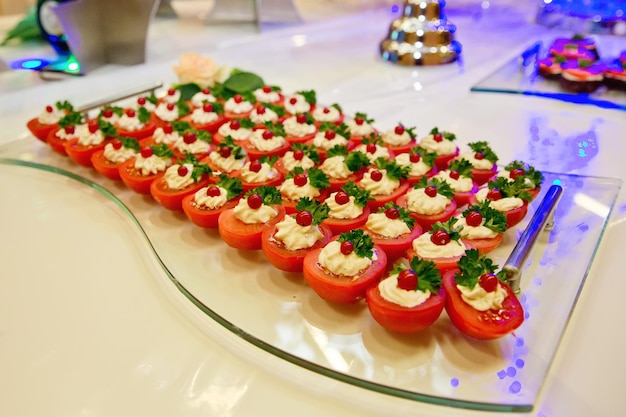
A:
x,y
440,237
207,107
300,180
182,171
261,110
489,282
268,134
255,166
147,152
49,109
255,201
298,155
304,218
431,191
225,151
93,128
238,99
107,113
392,213
170,106
330,134
141,101
399,130
454,175
213,191
189,138
301,118
438,137
235,125
473,219
342,198
206,91
117,145
359,121
347,247
415,158
494,194
171,92
70,130
479,156
371,148
130,113
376,175
407,280
326,110
517,172
267,89
293,101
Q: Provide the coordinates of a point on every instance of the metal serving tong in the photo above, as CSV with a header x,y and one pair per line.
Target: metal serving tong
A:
x,y
150,88
543,219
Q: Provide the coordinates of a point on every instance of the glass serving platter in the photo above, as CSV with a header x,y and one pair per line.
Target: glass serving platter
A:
x,y
278,313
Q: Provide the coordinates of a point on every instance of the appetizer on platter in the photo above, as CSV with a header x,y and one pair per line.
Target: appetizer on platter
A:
x,y
48,119
205,206
443,145
393,229
348,208
430,201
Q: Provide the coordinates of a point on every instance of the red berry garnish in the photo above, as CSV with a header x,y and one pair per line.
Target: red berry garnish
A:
x,y
147,152
399,130
107,113
206,91
479,156
49,109
438,137
235,125
342,198
517,172
182,171
213,191
489,282
130,113
392,213
293,101
474,219
238,99
117,144
142,101
207,107
455,175
371,148
304,218
298,155
347,247
268,134
407,280
255,166
255,201
300,180
415,157
261,110
494,194
168,129
330,134
171,92
301,118
376,175
326,110
170,106
224,151
359,121
93,127
431,191
70,129
189,138
267,89
440,237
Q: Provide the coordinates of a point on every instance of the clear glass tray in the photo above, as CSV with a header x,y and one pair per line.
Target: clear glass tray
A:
x,y
278,313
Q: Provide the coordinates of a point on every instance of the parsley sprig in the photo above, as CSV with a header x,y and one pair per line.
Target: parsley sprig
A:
x,y
442,186
269,160
484,148
405,215
161,150
73,118
394,170
107,129
472,265
130,143
235,150
269,195
356,161
364,116
199,169
428,275
427,157
118,111
361,196
279,110
143,115
515,188
232,185
462,166
361,241
492,219
449,227
310,96
276,128
64,105
410,130
337,150
319,211
180,126
309,151
341,129
317,177
445,135
530,173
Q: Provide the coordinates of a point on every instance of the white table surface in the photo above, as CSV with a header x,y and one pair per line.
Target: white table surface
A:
x,y
72,348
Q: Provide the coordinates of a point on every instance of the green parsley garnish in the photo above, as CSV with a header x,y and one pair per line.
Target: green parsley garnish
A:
x,y
276,128
462,166
338,150
361,196
356,161
73,118
162,150
319,211
405,215
442,186
492,218
530,173
118,111
361,241
269,195
428,275
143,115
427,157
180,126
309,96
472,265
232,185
318,178
279,110
199,169
309,151
511,188
484,148
364,116
235,150
445,135
64,105
130,143
449,227
107,129
341,129
393,169
269,160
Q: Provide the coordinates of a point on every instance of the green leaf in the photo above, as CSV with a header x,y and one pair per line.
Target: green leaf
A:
x,y
232,185
449,227
427,157
530,173
339,150
130,143
143,114
243,82
472,265
319,211
462,166
492,218
318,178
187,91
235,150
107,129
309,95
428,275
442,186
405,215
180,127
270,195
71,119
394,170
362,242
26,29
511,188
361,196
64,105
162,150
484,148
356,161
341,129
309,151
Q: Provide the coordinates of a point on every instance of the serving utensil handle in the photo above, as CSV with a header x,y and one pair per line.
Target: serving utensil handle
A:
x,y
150,88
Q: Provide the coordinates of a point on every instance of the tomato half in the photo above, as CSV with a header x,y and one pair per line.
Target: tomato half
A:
x,y
380,200
485,325
285,259
40,130
81,154
300,139
483,176
254,153
133,178
442,162
405,320
398,149
485,245
463,197
427,220
240,235
395,247
513,217
202,216
211,127
173,199
443,264
56,143
339,226
104,166
338,288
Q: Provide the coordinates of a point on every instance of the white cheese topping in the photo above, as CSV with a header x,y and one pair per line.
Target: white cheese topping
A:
x,y
350,210
364,129
266,173
380,151
299,130
461,184
151,165
337,263
390,291
321,142
418,202
476,163
196,147
247,215
326,114
175,181
417,169
50,118
390,137
232,106
262,144
475,232
482,300
201,117
300,106
63,135
385,186
289,162
129,123
293,192
199,98
86,138
167,138
380,224
259,118
294,236
226,165
504,204
445,147
211,202
269,97
335,167
163,113
117,156
425,248
237,134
